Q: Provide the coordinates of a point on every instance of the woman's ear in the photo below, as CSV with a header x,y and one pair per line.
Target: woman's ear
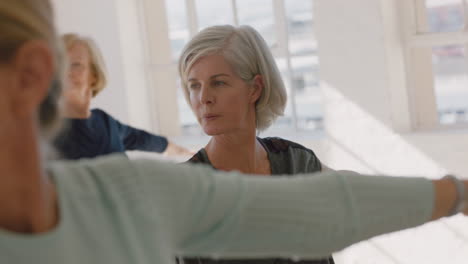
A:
x,y
258,86
34,65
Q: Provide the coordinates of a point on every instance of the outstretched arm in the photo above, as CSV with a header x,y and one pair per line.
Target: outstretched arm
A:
x,y
138,139
214,214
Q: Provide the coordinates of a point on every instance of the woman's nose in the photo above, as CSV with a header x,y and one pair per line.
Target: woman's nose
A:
x,y
206,96
72,75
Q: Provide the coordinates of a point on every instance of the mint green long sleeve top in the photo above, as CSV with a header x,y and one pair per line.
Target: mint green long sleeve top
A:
x,y
114,210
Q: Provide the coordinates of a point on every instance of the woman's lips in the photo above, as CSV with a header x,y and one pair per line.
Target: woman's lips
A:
x,y
209,117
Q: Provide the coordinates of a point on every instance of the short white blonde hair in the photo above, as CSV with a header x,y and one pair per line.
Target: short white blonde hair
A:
x,y
249,55
98,66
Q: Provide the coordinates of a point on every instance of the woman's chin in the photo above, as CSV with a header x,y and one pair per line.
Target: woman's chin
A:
x,y
211,131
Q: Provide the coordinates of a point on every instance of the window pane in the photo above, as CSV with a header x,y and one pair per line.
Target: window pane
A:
x,y
308,96
300,27
214,12
179,36
444,16
188,121
283,123
178,30
259,15
305,64
451,83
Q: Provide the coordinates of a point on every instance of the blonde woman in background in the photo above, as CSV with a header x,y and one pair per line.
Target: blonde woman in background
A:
x,y
92,133
114,210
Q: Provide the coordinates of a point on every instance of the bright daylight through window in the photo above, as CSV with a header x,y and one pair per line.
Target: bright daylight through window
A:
x,y
440,38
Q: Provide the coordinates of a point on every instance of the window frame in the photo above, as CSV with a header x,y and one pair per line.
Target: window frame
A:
x,y
420,76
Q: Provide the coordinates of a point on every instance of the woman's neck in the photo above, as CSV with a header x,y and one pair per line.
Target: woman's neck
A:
x,y
69,112
238,151
76,104
27,195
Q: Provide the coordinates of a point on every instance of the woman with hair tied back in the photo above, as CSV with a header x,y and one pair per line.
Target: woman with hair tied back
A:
x,y
89,134
116,210
234,87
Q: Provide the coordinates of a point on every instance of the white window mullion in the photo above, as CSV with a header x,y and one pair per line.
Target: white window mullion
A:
x,y
192,18
465,15
419,71
235,12
420,16
283,48
465,29
438,39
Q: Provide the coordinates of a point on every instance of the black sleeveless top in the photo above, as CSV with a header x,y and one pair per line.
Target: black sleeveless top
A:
x,y
285,157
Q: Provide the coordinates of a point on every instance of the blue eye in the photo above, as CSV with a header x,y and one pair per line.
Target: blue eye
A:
x,y
219,83
194,86
76,66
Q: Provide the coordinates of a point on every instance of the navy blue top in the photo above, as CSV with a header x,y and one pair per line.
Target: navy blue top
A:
x,y
101,134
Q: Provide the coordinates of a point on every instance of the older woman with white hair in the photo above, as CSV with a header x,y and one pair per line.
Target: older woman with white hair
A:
x,y
234,87
92,133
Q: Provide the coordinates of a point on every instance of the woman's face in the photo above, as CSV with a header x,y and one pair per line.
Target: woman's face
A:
x,y
6,81
222,102
81,81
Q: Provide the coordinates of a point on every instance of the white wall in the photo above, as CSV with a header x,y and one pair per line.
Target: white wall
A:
x,y
367,123
130,23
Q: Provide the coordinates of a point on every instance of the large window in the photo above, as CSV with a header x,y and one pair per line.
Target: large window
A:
x,y
286,25
438,64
